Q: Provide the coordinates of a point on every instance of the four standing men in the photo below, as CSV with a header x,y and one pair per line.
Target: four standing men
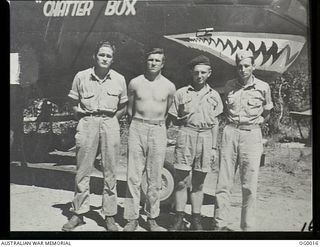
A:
x,y
99,98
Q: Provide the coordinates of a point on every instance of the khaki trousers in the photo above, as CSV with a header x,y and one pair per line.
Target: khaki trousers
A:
x,y
240,149
146,153
92,131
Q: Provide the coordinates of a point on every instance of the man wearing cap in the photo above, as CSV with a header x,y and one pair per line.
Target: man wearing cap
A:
x,y
195,109
98,96
150,96
247,105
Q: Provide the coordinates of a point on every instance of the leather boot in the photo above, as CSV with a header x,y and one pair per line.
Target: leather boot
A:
x,y
154,227
74,221
131,226
196,223
178,224
111,224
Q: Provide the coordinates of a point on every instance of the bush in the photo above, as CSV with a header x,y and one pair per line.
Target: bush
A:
x,y
295,89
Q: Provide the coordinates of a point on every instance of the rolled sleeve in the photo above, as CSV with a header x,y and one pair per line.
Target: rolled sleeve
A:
x,y
124,94
268,101
173,110
74,92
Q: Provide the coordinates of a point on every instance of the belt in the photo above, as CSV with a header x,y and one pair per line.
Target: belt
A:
x,y
97,114
198,129
244,126
147,121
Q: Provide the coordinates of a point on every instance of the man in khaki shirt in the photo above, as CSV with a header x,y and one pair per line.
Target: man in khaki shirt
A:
x,y
98,97
247,105
195,109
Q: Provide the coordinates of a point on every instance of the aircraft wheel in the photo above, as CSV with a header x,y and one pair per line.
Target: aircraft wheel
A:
x,y
167,186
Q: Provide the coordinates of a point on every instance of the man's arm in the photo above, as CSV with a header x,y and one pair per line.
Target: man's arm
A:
x,y
217,111
74,97
214,132
172,90
131,98
214,148
169,117
74,106
123,100
268,104
122,108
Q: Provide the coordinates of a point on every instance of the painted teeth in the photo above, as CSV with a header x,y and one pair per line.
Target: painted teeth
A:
x,y
268,43
273,52
259,59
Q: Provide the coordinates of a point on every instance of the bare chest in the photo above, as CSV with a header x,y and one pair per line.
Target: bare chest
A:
x,y
153,92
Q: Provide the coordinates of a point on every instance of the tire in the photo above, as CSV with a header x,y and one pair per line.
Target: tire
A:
x,y
166,193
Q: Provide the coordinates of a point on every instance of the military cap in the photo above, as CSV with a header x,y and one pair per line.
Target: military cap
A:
x,y
199,60
243,54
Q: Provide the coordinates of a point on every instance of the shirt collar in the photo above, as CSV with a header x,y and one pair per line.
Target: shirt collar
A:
x,y
249,85
206,88
95,77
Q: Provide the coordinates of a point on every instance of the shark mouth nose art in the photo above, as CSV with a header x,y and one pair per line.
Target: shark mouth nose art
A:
x,y
272,52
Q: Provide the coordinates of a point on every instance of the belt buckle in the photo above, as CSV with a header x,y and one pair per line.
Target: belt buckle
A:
x,y
155,122
244,127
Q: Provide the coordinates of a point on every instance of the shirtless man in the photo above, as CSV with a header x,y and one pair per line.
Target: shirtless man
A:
x,y
150,96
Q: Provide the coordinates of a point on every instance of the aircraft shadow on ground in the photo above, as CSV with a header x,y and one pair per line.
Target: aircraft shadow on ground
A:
x,y
56,179
64,180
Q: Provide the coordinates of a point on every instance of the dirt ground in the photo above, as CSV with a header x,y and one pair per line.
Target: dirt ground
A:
x,y
284,200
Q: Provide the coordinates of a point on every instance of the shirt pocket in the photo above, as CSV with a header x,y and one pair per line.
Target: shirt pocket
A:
x,y
253,107
212,105
110,99
212,102
86,90
231,104
210,110
87,95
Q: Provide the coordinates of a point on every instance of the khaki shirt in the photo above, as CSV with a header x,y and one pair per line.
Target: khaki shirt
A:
x,y
245,104
204,105
95,94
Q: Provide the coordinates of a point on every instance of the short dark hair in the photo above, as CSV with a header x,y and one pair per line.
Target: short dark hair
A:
x,y
104,43
155,50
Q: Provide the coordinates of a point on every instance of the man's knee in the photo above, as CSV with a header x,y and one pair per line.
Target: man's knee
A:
x,y
181,178
198,181
197,187
182,185
248,192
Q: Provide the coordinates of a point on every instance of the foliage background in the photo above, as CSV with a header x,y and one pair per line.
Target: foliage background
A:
x,y
295,95
295,92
